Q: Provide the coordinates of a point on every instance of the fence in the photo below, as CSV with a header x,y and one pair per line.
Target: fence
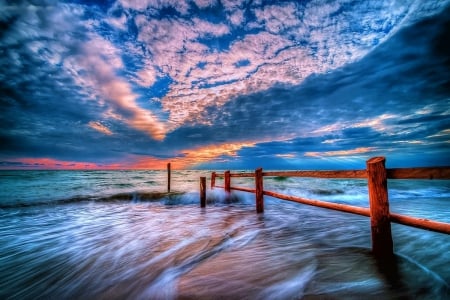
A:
x,y
378,211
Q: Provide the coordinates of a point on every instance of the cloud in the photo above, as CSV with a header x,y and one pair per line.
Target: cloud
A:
x,y
297,41
205,3
231,5
236,18
50,56
53,164
377,123
443,133
287,155
118,22
181,7
187,158
210,153
147,76
100,127
278,18
338,153
96,69
173,79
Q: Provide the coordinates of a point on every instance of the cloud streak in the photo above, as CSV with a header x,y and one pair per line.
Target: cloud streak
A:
x,y
338,153
98,63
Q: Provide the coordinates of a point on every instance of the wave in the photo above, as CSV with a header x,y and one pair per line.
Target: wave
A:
x,y
280,178
119,197
166,198
327,192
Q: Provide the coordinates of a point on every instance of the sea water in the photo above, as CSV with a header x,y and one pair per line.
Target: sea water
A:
x,y
113,235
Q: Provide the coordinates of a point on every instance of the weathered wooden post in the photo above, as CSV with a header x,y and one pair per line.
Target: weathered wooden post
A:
x,y
382,245
213,180
259,190
227,182
168,177
202,191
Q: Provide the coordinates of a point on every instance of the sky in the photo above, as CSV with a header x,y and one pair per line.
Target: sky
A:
x,y
224,84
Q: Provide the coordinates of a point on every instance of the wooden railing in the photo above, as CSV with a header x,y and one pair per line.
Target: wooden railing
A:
x,y
376,175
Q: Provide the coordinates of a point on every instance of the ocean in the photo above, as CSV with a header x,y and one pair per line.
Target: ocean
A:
x,y
117,235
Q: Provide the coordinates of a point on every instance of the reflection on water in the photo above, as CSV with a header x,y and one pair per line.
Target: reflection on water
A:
x,y
118,250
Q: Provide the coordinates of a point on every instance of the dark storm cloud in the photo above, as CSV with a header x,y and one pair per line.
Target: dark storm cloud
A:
x,y
40,102
45,112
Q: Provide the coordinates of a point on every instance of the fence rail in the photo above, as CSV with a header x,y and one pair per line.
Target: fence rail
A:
x,y
376,175
394,173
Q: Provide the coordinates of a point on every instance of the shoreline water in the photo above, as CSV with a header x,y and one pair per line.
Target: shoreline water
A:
x,y
170,248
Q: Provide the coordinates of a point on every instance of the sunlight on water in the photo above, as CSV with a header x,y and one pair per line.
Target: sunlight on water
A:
x,y
169,248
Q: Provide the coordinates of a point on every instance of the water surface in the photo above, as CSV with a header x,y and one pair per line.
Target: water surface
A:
x,y
68,235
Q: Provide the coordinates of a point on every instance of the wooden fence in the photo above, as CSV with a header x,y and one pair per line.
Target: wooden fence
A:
x,y
376,175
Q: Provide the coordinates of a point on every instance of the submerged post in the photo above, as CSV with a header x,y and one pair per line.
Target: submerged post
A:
x,y
168,177
227,182
259,190
382,245
202,191
213,180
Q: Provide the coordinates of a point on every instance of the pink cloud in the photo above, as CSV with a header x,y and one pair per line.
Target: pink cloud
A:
x,y
236,17
146,76
202,28
278,18
101,60
205,3
141,5
273,57
100,127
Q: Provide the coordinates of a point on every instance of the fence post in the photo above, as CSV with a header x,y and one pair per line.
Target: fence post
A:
x,y
259,187
213,180
168,177
227,182
202,191
382,245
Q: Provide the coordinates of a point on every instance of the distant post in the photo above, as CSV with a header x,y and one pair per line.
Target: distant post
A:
x,y
259,190
382,245
213,180
227,182
168,177
202,191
